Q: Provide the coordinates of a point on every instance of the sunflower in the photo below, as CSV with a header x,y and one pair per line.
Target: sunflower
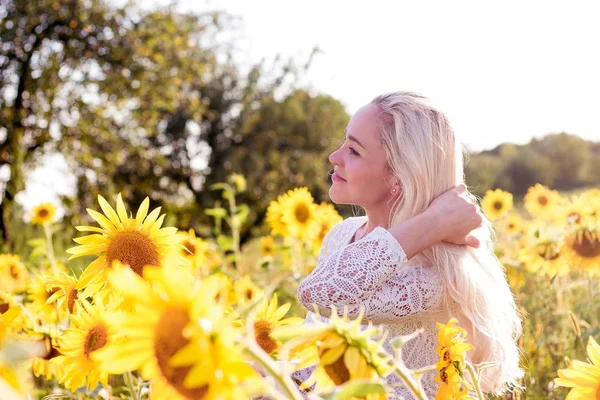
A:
x,y
275,216
497,203
327,217
6,301
13,274
576,211
14,382
298,213
340,350
545,254
136,242
267,246
592,197
268,318
38,295
582,246
222,287
194,250
45,366
89,332
513,224
452,349
582,377
175,316
245,291
7,318
64,292
43,214
541,202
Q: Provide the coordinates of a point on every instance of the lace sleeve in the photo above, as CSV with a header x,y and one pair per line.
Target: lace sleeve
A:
x,y
371,273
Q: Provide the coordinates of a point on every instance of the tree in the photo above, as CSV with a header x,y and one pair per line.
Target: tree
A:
x,y
42,42
136,99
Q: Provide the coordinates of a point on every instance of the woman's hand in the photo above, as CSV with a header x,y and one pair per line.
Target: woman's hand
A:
x,y
455,216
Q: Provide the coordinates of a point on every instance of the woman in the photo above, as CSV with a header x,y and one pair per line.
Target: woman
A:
x,y
413,260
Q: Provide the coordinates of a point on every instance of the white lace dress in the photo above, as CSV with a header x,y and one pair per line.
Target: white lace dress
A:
x,y
398,294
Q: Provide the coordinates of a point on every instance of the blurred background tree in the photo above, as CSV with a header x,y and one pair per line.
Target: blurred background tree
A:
x,y
153,103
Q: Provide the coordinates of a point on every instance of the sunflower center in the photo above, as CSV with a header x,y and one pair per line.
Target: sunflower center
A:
x,y
43,213
14,271
168,340
301,212
262,333
52,352
134,249
71,299
574,217
444,375
248,293
4,308
549,251
543,200
51,292
267,249
337,371
446,354
498,206
588,246
191,249
95,339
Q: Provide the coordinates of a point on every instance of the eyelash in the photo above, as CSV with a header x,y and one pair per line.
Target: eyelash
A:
x,y
352,151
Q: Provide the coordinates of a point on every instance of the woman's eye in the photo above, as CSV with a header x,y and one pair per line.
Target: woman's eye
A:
x,y
352,151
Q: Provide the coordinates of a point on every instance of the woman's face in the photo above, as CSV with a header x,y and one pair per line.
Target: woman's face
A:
x,y
360,174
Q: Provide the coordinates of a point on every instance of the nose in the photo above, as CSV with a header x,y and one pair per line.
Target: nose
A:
x,y
335,157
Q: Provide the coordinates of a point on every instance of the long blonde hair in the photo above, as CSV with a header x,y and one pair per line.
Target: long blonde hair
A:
x,y
426,157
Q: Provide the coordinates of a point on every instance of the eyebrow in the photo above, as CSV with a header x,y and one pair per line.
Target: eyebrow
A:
x,y
354,139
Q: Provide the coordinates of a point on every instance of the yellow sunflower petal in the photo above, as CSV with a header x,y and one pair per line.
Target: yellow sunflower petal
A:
x,y
121,211
109,211
142,212
332,355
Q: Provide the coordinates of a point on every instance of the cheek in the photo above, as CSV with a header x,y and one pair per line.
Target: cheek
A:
x,y
365,178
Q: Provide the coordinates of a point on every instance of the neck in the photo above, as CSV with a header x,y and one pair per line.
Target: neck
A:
x,y
377,216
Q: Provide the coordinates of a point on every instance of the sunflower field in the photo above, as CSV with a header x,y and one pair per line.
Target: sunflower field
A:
x,y
132,309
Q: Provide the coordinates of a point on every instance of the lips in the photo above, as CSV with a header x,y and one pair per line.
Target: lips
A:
x,y
337,177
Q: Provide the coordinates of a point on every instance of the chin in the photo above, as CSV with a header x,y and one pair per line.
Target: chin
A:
x,y
336,197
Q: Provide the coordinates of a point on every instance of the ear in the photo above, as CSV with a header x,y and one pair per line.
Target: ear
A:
x,y
395,189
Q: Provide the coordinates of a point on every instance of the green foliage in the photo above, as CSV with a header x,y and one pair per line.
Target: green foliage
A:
x,y
560,161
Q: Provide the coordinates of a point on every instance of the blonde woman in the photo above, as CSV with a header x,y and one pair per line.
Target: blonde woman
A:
x,y
423,252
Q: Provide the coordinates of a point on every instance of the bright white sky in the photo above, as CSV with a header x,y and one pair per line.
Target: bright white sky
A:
x,y
502,72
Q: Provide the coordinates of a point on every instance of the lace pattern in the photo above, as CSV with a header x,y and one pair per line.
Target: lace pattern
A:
x,y
400,295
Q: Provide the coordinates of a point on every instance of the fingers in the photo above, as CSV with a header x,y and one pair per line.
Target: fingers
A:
x,y
472,241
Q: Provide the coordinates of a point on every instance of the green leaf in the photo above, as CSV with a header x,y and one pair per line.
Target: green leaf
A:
x,y
219,186
225,242
216,212
356,388
40,242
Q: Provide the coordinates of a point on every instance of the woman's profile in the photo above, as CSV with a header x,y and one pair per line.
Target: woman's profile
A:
x,y
422,253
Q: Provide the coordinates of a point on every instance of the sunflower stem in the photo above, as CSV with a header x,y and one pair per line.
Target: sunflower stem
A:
x,y
50,248
235,229
284,381
128,378
408,381
474,381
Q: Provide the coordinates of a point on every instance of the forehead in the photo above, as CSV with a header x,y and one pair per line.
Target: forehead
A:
x,y
364,126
